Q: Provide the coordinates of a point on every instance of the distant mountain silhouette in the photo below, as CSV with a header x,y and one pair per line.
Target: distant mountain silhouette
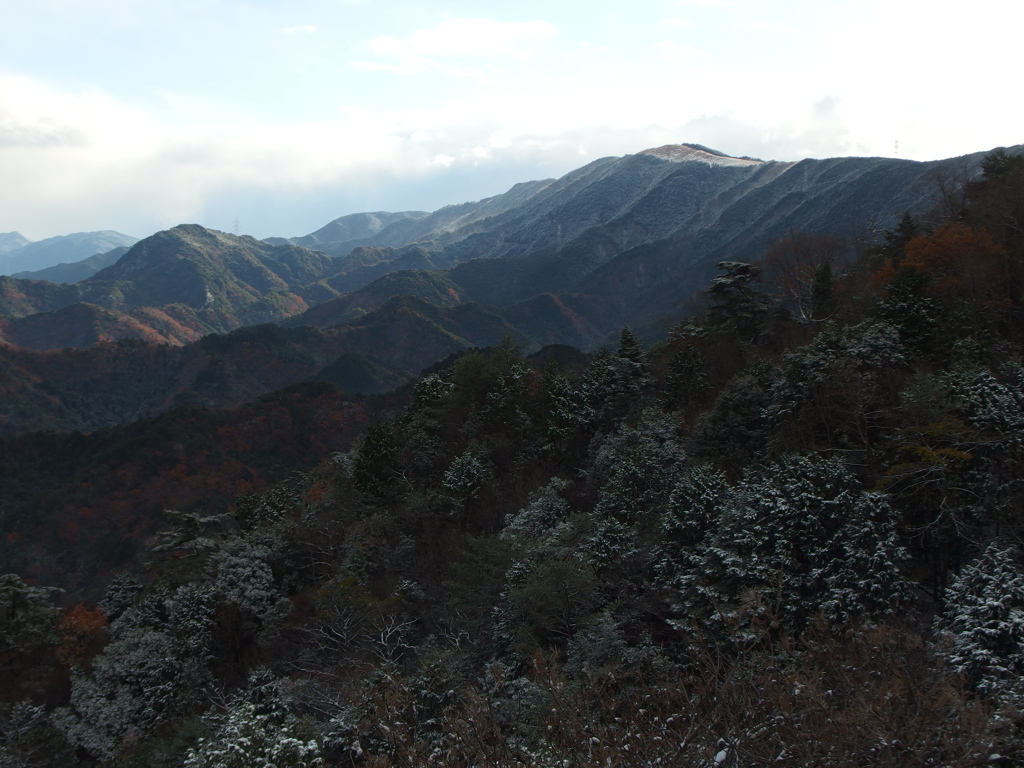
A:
x,y
627,240
347,232
12,241
75,271
64,249
344,234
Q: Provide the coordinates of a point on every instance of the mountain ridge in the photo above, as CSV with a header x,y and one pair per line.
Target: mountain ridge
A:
x,y
619,241
41,254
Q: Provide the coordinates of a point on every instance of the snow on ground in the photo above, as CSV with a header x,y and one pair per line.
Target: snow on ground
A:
x,y
679,153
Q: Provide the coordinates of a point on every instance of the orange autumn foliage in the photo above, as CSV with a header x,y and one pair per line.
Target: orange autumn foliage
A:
x,y
965,265
83,631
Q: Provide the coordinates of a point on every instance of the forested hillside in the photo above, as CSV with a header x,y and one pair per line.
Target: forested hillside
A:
x,y
788,533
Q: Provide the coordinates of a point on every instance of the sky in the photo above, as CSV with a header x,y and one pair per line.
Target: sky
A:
x,y
273,118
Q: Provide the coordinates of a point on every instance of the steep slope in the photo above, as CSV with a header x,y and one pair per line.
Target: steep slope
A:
x,y
643,232
407,334
365,264
451,218
846,197
203,269
549,319
615,204
360,374
632,240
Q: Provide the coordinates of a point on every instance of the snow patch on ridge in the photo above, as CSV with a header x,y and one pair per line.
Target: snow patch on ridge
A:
x,y
681,153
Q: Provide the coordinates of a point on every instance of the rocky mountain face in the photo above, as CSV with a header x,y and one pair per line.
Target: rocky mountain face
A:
x,y
64,249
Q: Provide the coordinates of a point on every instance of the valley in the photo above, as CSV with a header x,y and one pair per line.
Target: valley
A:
x,y
680,459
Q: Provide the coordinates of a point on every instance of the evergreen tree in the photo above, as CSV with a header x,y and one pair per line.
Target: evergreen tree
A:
x,y
735,305
792,539
983,621
908,307
636,468
737,427
822,291
686,380
156,663
256,730
895,240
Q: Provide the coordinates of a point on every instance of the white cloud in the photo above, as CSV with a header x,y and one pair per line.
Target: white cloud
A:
x,y
432,49
465,37
73,157
411,68
771,27
677,53
32,115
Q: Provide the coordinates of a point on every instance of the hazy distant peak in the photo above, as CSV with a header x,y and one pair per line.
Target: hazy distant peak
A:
x,y
12,241
679,153
63,249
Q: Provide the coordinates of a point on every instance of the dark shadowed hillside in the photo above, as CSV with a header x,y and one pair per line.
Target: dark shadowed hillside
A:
x,y
790,531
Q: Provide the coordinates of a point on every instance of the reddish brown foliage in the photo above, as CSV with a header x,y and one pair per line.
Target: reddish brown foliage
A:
x,y
83,632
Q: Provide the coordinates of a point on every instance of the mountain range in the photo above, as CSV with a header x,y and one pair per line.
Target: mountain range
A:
x,y
788,531
12,241
622,240
72,272
17,254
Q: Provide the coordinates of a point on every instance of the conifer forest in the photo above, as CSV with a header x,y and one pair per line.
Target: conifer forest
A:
x,y
787,533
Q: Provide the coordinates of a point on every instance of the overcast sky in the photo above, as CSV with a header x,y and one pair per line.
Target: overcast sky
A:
x,y
136,115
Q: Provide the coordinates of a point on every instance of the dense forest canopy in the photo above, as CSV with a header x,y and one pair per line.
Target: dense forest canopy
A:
x,y
788,533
